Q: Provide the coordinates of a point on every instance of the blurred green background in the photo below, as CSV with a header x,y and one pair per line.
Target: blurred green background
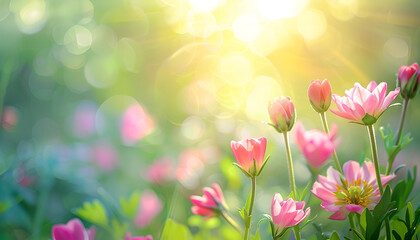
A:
x,y
96,92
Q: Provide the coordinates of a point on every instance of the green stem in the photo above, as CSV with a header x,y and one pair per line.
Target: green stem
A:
x,y
326,129
296,231
230,220
290,165
251,205
372,137
399,133
352,225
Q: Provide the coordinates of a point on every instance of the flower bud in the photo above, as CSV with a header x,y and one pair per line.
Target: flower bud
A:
x,y
210,204
408,80
282,113
319,94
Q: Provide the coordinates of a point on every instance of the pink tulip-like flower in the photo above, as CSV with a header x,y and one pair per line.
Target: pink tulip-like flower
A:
x,y
408,80
159,172
136,123
210,203
361,102
319,94
287,213
282,113
73,230
150,207
317,146
354,192
248,150
129,237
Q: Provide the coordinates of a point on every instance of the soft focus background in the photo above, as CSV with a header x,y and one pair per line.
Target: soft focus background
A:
x,y
132,104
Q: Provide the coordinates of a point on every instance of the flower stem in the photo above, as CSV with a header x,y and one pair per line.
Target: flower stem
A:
x,y
251,205
399,133
326,130
290,165
352,225
229,219
296,231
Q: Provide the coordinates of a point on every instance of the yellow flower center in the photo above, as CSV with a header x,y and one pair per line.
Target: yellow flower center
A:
x,y
356,192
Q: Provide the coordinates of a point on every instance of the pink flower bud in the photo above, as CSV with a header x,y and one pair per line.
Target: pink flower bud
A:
x,y
73,230
282,113
248,150
287,213
408,80
317,146
210,204
319,94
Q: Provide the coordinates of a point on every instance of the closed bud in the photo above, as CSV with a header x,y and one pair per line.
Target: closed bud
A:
x,y
408,80
319,94
282,114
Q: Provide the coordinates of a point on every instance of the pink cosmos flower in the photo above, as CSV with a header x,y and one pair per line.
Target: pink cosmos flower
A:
x,y
209,204
248,150
408,85
73,230
319,94
159,172
360,101
317,146
136,123
282,113
356,191
150,207
129,237
287,213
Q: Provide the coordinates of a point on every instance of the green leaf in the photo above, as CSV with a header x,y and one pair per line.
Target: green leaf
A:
x,y
263,165
93,212
4,206
129,206
334,236
242,170
368,119
232,176
118,228
308,222
172,229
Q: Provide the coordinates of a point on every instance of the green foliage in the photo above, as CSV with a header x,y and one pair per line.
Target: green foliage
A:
x,y
129,206
389,141
172,229
371,221
402,190
232,176
244,212
118,229
335,236
4,206
93,212
368,119
407,228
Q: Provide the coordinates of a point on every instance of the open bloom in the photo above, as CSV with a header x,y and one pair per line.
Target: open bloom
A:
x,y
353,193
319,94
210,203
73,230
317,146
282,113
287,213
248,150
360,101
129,237
408,80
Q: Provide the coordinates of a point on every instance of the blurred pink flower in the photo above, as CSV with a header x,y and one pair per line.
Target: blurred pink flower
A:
x,y
135,124
209,204
104,156
129,237
84,119
150,207
190,167
73,230
360,101
359,192
282,113
22,177
287,213
319,94
316,145
159,172
248,150
408,85
9,118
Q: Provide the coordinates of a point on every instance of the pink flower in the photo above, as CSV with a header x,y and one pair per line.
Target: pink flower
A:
x,y
282,113
408,80
354,192
319,94
104,156
248,150
210,203
128,237
150,207
191,167
84,121
135,124
287,213
317,146
9,118
159,172
73,230
360,101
